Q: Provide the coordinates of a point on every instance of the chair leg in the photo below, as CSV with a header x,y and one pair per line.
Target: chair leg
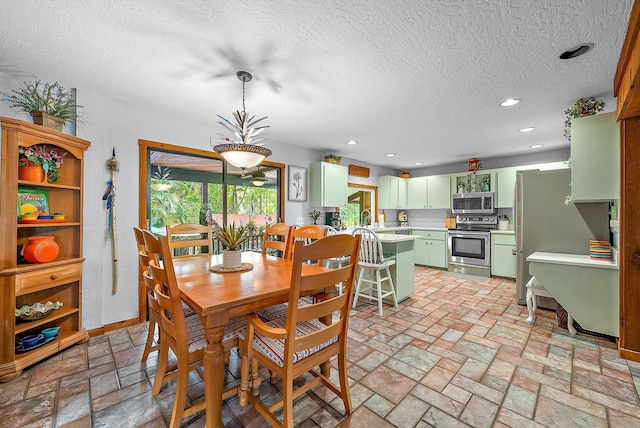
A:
x,y
393,290
358,285
344,381
162,367
379,285
181,393
150,336
287,402
244,377
255,377
570,326
530,298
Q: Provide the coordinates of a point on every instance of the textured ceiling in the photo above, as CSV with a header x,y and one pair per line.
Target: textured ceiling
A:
x,y
422,79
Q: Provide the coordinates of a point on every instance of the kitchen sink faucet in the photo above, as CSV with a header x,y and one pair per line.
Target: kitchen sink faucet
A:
x,y
363,222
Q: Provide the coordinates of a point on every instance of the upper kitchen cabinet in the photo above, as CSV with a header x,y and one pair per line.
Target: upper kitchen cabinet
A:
x,y
595,158
417,192
506,181
477,181
328,184
433,192
392,192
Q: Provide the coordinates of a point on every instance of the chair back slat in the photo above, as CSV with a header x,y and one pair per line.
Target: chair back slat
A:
x,y
191,236
276,237
371,247
307,234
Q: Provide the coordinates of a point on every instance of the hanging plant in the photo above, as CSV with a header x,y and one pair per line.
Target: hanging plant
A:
x,y
581,107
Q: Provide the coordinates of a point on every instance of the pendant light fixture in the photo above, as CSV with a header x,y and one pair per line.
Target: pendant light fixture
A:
x,y
241,148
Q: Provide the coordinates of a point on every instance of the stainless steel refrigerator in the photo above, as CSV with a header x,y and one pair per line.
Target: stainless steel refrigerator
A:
x,y
543,222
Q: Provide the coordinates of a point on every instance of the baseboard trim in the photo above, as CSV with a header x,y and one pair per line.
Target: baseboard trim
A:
x,y
628,354
113,326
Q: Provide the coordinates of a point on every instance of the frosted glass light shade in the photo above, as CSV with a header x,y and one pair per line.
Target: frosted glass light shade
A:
x,y
242,155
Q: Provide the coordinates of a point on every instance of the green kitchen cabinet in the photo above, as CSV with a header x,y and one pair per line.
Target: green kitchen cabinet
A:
x,y
392,192
430,248
403,271
506,180
595,158
503,255
432,192
439,192
328,185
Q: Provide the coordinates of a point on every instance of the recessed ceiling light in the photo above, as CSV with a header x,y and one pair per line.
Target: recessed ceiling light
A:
x,y
418,163
536,146
529,129
509,102
576,51
351,142
390,155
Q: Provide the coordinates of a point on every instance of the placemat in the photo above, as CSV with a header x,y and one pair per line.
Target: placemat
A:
x,y
221,269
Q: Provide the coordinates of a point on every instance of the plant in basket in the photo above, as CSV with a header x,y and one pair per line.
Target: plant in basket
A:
x,y
50,160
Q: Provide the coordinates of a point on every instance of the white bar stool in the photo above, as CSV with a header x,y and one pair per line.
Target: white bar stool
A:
x,y
534,289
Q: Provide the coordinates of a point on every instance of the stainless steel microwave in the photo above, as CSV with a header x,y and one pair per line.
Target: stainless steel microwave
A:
x,y
473,203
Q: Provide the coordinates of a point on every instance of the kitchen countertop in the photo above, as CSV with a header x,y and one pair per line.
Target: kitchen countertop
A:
x,y
503,232
571,259
385,237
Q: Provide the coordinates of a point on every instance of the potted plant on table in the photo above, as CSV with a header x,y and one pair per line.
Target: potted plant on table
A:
x,y
50,105
581,107
232,238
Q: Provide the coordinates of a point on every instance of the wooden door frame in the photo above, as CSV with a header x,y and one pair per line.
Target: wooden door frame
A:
x,y
627,90
143,148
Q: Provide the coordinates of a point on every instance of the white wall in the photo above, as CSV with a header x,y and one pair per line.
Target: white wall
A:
x,y
109,124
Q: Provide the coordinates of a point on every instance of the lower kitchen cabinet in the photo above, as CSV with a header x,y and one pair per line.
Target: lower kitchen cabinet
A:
x,y
503,255
431,248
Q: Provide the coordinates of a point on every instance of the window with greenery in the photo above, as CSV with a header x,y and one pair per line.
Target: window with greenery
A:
x,y
190,188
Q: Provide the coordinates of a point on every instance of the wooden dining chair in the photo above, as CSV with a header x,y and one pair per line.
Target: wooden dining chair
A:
x,y
154,313
188,239
276,237
184,336
300,343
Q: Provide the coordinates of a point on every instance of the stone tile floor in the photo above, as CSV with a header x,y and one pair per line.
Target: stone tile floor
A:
x,y
457,353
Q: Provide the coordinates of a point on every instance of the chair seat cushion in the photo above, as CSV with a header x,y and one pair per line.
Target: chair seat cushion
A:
x,y
274,348
279,312
195,331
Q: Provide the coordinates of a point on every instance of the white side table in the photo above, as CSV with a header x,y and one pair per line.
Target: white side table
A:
x,y
534,289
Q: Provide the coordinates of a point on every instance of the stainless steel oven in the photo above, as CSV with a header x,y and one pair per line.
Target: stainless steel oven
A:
x,y
473,203
470,245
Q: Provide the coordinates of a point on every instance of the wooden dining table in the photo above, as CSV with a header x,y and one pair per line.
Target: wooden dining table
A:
x,y
218,297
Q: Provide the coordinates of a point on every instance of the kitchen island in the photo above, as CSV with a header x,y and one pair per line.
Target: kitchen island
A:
x,y
588,289
403,271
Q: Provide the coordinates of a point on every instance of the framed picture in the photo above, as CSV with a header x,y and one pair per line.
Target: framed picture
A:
x,y
32,200
297,183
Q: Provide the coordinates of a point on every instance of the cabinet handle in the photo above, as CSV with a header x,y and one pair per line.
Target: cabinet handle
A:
x,y
514,252
636,257
54,276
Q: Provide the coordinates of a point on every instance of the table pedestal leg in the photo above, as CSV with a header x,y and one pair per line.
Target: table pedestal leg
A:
x,y
214,375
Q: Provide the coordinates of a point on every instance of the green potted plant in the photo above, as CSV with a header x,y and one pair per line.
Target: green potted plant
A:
x,y
50,105
331,158
581,107
232,238
314,215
